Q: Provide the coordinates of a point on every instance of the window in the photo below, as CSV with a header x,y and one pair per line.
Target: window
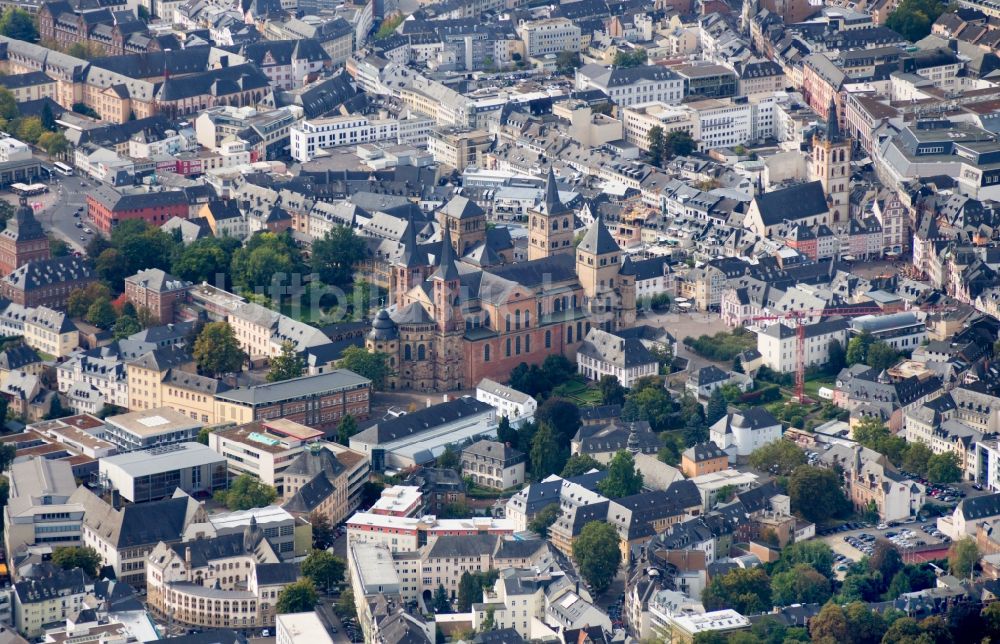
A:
x,y
486,353
421,353
407,353
508,347
548,339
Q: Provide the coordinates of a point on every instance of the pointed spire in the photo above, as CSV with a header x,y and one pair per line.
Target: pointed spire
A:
x,y
553,205
598,240
832,123
411,255
447,270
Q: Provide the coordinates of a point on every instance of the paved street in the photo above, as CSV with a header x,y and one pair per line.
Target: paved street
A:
x,y
65,196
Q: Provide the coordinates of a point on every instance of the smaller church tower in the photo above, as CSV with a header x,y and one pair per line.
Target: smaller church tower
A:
x,y
411,265
448,350
831,165
550,225
597,268
627,297
466,222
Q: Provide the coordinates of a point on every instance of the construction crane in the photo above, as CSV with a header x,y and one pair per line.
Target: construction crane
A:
x,y
800,330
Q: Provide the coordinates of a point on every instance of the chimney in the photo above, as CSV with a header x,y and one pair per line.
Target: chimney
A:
x,y
187,556
444,398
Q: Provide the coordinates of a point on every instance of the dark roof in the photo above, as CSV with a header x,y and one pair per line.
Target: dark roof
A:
x,y
18,356
204,551
980,507
270,574
500,636
423,419
57,583
474,545
29,79
704,451
598,240
150,523
755,418
117,202
792,203
211,637
711,374
44,273
310,495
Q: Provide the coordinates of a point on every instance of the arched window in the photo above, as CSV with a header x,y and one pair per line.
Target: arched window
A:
x,y
421,353
517,320
508,322
527,319
565,223
548,339
486,353
555,225
517,345
508,347
407,353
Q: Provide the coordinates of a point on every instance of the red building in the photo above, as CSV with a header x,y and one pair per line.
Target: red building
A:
x,y
47,282
157,291
107,207
23,240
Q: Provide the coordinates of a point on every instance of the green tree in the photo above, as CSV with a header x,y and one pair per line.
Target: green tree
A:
x,y
101,313
54,143
944,468
612,392
287,365
203,435
567,61
335,255
655,140
264,257
597,554
58,248
8,105
389,25
324,568
562,417
469,592
112,266
837,356
917,458
857,348
963,557
634,58
125,326
19,25
373,365
217,351
505,433
882,356
441,603
623,479
346,428
913,18
816,493
817,554
322,531
800,585
245,493
547,457
900,584
991,615
716,408
580,464
7,453
904,630
205,260
829,625
745,590
70,557
677,143
885,560
864,625
780,458
31,129
298,597
450,458
545,518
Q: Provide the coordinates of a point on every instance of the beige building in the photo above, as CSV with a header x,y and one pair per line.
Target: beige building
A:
x,y
266,449
40,510
261,331
325,480
549,36
586,126
42,602
31,86
493,465
458,147
146,374
639,119
50,332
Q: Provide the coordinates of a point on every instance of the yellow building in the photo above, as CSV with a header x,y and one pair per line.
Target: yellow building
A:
x,y
146,376
51,332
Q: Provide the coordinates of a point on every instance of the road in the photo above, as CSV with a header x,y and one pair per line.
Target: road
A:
x,y
59,205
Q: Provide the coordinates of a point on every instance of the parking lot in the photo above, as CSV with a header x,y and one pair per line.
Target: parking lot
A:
x,y
855,540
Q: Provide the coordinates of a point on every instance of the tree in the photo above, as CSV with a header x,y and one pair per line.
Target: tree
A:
x,y
562,416
287,365
544,518
634,58
780,458
963,557
8,105
322,531
991,615
864,625
716,408
54,143
944,468
857,348
913,18
373,365
217,351
247,492
7,453
203,435
800,585
70,557
904,630
567,61
837,359
597,554
678,143
816,493
19,25
622,479
885,560
125,326
817,554
580,464
111,266
469,592
655,140
30,129
745,590
917,458
346,428
298,597
547,457
205,260
441,603
101,313
900,584
143,14
450,458
58,248
336,253
388,26
505,433
829,625
324,568
881,356
80,299
612,391
264,257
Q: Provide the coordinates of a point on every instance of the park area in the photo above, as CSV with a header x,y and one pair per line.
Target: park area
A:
x,y
580,391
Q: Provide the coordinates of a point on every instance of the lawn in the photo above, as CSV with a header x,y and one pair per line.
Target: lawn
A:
x,y
812,386
580,391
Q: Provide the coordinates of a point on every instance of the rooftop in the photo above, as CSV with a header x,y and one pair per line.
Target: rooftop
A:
x,y
153,422
163,459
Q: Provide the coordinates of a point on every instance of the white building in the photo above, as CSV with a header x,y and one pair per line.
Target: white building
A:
x,y
739,433
605,354
294,628
149,475
549,36
39,510
518,407
150,428
778,344
902,331
14,150
104,376
308,137
633,85
709,485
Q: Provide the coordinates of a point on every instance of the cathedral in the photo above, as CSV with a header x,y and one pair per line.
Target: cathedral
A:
x,y
462,310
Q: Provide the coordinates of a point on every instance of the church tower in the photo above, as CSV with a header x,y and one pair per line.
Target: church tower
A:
x,y
411,266
831,165
448,351
466,222
597,268
23,240
550,226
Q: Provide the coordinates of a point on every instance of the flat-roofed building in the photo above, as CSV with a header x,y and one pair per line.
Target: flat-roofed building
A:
x,y
150,428
405,534
319,401
157,473
264,449
277,524
294,628
399,501
39,510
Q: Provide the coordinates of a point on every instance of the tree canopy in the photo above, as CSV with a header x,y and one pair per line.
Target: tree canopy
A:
x,y
18,24
216,350
623,479
373,365
245,493
335,255
597,554
745,590
298,597
913,18
780,458
70,557
580,464
324,568
817,493
287,365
